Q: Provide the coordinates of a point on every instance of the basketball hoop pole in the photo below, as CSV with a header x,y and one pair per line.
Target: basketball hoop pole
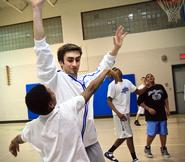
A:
x,y
171,8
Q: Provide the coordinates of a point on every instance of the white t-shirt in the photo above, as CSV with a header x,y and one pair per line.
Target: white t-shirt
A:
x,y
120,93
66,87
57,134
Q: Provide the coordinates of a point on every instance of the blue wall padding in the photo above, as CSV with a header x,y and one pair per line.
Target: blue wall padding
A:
x,y
101,108
28,88
182,11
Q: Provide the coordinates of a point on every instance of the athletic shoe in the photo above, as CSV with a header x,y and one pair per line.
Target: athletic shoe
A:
x,y
148,152
137,123
135,160
110,156
165,153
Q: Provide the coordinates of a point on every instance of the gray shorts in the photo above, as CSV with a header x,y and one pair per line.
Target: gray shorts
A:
x,y
122,128
95,153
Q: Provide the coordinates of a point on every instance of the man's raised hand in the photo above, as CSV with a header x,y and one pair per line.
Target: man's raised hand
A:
x,y
37,3
119,36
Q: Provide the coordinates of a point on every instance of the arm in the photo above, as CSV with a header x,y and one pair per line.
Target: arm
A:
x,y
95,84
141,91
167,106
46,66
14,145
141,102
111,105
37,19
149,109
109,59
166,103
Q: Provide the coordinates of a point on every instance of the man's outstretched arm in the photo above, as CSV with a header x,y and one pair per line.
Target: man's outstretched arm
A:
x,y
37,19
93,86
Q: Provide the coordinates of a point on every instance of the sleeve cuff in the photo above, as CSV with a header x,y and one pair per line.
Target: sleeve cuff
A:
x,y
40,42
109,56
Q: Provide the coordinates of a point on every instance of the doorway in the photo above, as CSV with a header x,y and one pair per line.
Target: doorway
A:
x,y
179,87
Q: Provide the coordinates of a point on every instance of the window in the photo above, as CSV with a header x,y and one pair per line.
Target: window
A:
x,y
20,36
140,17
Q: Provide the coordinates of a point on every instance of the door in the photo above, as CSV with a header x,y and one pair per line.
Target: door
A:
x,y
179,87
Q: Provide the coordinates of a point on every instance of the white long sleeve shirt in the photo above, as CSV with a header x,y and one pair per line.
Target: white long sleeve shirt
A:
x,y
66,87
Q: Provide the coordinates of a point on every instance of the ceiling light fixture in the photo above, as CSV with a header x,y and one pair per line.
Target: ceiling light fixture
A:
x,y
52,3
15,7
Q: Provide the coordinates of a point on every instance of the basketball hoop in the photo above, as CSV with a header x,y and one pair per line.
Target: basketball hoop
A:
x,y
172,8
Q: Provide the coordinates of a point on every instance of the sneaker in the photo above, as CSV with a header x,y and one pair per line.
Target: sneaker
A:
x,y
165,153
135,160
137,123
110,156
148,152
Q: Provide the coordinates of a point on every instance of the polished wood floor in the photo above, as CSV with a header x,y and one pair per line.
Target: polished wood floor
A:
x,y
105,130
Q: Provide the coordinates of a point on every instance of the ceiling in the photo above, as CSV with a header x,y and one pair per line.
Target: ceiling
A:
x,y
19,5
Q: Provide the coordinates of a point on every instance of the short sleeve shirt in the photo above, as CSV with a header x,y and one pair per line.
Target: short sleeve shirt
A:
x,y
120,93
154,97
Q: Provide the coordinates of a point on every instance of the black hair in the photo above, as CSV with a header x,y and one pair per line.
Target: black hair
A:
x,y
67,48
37,100
114,68
117,69
148,75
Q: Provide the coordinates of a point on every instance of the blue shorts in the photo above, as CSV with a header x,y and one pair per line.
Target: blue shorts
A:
x,y
157,127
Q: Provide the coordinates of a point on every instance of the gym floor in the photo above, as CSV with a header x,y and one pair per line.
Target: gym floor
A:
x,y
105,130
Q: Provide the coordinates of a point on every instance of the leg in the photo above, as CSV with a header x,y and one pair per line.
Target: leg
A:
x,y
137,116
164,150
136,122
116,144
139,112
109,153
129,139
152,130
151,133
163,138
147,149
149,140
130,145
163,131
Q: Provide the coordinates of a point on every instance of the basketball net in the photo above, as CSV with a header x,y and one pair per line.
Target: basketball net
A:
x,y
172,8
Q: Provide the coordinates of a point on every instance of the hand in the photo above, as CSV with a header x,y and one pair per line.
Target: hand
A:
x,y
111,74
151,111
147,84
167,112
37,3
14,148
122,117
119,36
